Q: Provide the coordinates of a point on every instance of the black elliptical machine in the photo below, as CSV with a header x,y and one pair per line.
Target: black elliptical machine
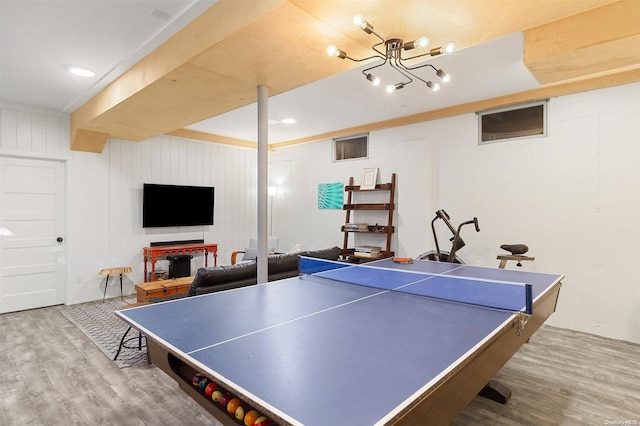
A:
x,y
456,241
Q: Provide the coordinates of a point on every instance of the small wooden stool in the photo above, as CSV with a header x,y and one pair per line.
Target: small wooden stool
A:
x,y
114,271
124,337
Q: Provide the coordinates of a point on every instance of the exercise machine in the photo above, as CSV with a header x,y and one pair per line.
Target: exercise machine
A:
x,y
456,241
517,253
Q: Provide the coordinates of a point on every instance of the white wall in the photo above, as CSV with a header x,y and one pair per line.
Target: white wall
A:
x,y
573,197
104,195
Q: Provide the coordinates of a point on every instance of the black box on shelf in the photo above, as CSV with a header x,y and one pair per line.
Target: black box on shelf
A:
x,y
179,265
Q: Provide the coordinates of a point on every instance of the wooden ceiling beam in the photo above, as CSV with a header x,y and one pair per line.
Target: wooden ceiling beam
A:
x,y
604,39
225,16
214,64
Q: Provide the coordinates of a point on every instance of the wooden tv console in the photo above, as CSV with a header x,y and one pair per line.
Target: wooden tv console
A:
x,y
152,254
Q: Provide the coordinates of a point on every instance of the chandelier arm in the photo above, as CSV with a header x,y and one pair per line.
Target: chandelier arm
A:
x,y
398,67
375,48
377,35
375,66
366,59
415,67
416,56
408,70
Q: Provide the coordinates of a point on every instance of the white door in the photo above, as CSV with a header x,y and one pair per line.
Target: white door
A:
x,y
32,231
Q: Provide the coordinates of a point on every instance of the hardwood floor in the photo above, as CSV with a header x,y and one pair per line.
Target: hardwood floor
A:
x,y
51,374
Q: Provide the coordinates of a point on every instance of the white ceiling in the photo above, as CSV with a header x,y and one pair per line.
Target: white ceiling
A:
x,y
39,37
109,36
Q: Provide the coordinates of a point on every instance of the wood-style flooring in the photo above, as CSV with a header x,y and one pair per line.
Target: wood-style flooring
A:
x,y
51,374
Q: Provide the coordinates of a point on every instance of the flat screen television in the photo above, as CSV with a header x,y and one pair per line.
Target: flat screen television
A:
x,y
176,205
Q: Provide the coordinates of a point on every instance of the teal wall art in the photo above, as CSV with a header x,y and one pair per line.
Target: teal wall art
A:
x,y
330,195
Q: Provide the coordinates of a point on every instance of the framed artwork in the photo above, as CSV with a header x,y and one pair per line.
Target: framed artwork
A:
x,y
369,178
330,195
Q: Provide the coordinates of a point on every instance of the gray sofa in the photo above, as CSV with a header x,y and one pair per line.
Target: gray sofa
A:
x,y
209,280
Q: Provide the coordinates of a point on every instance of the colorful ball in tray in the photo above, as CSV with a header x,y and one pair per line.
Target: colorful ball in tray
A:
x,y
240,412
211,386
224,399
196,379
250,417
232,405
203,383
216,395
261,421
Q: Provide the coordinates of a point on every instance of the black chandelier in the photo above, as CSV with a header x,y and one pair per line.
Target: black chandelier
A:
x,y
392,55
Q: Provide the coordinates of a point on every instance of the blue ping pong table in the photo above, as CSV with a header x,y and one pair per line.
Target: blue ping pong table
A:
x,y
376,343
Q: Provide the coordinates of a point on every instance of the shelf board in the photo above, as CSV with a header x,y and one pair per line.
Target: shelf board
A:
x,y
348,255
367,206
382,230
379,187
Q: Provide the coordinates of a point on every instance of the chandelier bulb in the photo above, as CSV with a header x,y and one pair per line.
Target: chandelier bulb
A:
x,y
443,76
421,43
334,51
393,87
359,21
433,86
373,79
448,48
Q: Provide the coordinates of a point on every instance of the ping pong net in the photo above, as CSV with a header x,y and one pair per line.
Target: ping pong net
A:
x,y
503,295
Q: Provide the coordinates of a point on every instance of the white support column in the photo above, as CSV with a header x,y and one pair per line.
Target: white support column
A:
x,y
263,182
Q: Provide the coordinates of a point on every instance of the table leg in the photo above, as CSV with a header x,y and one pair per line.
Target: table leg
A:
x,y
496,391
106,284
144,259
206,257
153,268
121,298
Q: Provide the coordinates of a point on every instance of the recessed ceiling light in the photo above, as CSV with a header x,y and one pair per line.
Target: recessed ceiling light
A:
x,y
160,14
82,72
288,120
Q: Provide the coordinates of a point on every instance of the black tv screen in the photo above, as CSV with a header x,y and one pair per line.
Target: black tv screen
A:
x,y
176,205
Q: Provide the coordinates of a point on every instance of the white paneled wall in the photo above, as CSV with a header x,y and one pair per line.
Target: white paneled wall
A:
x,y
110,208
104,195
573,197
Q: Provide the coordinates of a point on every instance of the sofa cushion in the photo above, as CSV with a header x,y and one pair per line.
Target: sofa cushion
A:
x,y
279,263
224,274
331,253
280,266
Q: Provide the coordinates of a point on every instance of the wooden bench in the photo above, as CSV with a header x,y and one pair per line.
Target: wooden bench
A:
x,y
155,291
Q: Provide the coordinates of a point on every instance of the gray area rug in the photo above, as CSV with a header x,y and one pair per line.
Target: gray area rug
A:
x,y
99,323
